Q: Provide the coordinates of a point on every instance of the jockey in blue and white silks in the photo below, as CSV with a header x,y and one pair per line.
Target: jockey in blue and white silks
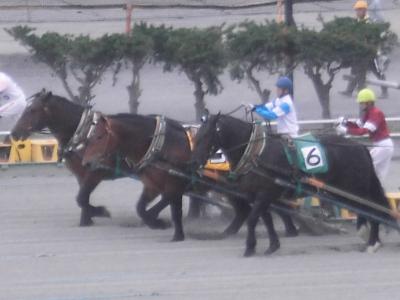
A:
x,y
281,109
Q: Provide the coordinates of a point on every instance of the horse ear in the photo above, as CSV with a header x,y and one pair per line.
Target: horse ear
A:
x,y
205,116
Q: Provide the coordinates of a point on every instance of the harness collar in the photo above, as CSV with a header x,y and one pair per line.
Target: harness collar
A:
x,y
155,145
254,149
83,131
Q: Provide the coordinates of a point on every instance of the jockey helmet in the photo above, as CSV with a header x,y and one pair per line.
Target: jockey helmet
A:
x,y
285,83
366,95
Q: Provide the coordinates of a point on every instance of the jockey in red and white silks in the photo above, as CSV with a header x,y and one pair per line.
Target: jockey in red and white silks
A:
x,y
12,100
373,123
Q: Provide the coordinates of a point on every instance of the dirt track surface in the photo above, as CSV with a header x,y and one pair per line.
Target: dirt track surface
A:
x,y
44,255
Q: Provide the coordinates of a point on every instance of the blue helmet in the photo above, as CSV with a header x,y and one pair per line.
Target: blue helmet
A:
x,y
285,83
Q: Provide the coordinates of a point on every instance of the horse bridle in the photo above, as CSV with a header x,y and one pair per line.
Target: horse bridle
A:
x,y
215,141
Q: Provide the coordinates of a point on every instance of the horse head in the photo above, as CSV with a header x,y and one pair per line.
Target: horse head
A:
x,y
34,117
207,140
102,142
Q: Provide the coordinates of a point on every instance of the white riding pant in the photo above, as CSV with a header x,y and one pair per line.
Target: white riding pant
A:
x,y
381,154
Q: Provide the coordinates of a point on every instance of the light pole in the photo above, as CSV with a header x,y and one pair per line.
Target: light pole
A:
x,y
289,21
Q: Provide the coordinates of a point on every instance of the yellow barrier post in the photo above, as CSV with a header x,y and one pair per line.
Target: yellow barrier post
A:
x,y
44,150
5,151
394,199
20,151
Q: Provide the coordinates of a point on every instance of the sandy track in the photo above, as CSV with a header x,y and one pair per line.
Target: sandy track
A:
x,y
45,255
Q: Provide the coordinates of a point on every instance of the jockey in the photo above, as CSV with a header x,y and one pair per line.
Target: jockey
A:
x,y
373,123
281,109
12,100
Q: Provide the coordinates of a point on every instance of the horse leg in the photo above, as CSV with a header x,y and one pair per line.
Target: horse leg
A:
x,y
150,217
252,221
87,185
287,220
374,243
291,230
242,210
274,243
363,230
176,214
155,210
194,208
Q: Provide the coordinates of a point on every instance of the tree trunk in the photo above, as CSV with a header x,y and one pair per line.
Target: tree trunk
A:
x,y
63,77
85,94
134,91
323,97
322,89
199,105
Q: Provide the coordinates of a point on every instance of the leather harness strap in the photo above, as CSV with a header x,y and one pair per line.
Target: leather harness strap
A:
x,y
155,145
254,149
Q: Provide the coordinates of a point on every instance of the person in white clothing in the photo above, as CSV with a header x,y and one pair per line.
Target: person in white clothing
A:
x,y
12,102
281,109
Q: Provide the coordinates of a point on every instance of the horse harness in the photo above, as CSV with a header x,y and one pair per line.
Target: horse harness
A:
x,y
155,147
254,149
83,131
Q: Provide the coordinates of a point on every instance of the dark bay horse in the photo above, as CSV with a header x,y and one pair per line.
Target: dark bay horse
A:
x,y
350,169
63,118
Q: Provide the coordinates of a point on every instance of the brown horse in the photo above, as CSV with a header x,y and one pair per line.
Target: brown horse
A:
x,y
70,124
153,146
150,145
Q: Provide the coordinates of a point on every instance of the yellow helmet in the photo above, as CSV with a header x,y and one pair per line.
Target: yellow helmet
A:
x,y
366,95
360,4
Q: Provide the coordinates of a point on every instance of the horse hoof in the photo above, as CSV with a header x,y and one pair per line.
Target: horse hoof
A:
x,y
272,248
363,232
292,233
249,252
228,233
105,213
179,238
86,223
374,248
159,224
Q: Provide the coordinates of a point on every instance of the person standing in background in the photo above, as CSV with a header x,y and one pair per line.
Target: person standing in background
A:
x,y
12,102
375,11
366,14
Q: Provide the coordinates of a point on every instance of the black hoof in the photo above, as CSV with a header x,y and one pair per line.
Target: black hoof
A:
x,y
103,212
159,224
86,222
291,233
228,232
272,248
178,238
249,252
